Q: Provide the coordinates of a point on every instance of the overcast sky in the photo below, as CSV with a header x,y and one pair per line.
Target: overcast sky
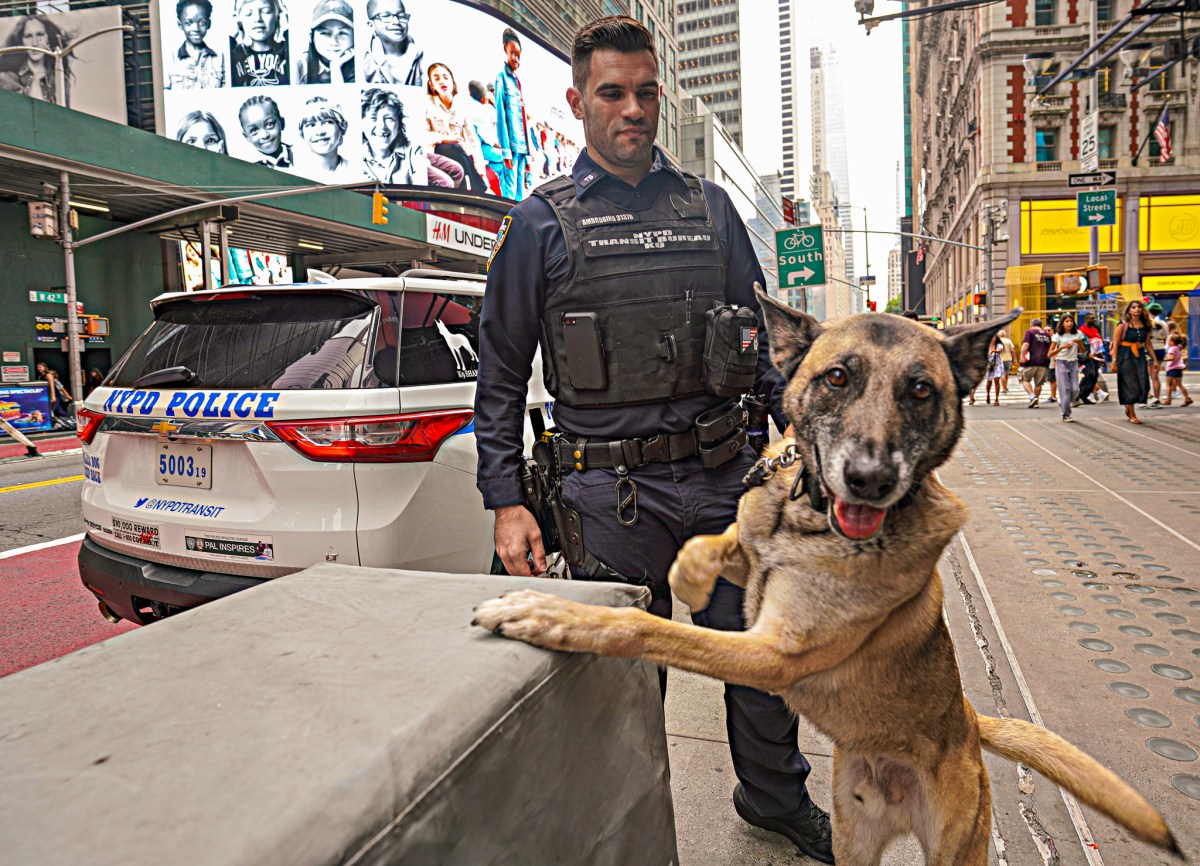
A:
x,y
872,77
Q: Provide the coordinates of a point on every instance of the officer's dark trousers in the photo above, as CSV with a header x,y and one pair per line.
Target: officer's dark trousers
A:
x,y
676,501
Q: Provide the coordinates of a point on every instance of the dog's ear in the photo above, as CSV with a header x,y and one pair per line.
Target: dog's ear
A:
x,y
790,332
966,348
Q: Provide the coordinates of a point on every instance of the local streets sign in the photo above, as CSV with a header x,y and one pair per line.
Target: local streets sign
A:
x,y
1095,178
800,254
1096,208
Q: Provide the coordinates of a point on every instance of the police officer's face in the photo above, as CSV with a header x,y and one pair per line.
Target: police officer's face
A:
x,y
619,108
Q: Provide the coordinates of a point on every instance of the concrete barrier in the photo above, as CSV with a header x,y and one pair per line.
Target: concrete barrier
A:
x,y
339,715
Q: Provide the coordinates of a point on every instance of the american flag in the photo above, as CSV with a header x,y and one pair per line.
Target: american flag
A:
x,y
1162,134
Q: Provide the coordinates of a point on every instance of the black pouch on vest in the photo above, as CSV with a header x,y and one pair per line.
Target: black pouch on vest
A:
x,y
730,350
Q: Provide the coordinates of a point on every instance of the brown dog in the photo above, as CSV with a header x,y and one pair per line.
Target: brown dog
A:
x,y
837,547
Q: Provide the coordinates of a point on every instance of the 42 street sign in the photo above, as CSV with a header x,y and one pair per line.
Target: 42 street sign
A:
x,y
1096,208
800,254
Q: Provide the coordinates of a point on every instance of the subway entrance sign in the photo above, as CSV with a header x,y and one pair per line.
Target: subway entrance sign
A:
x,y
800,254
1096,208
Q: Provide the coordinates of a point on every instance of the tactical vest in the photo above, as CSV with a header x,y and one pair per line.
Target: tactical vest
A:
x,y
648,277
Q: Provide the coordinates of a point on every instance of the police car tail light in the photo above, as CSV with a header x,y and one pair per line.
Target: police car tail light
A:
x,y
411,438
87,422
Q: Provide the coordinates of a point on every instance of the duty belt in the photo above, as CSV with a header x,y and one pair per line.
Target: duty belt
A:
x,y
716,438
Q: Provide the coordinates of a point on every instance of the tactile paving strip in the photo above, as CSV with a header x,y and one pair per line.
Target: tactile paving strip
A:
x,y
1119,600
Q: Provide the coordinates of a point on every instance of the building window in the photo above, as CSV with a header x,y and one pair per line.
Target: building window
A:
x,y
1104,10
1047,145
671,68
674,127
1044,13
1105,145
662,58
1160,82
638,12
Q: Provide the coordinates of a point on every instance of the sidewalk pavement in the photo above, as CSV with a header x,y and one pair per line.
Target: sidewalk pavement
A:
x,y
1073,593
47,443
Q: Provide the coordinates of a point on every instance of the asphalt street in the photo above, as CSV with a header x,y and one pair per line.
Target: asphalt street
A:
x,y
1073,595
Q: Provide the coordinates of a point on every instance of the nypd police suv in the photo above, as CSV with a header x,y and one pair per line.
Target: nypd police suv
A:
x,y
251,432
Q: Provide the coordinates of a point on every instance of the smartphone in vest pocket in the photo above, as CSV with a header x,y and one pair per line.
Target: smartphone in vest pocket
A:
x,y
585,351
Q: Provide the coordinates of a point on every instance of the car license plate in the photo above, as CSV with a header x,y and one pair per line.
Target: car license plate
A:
x,y
185,466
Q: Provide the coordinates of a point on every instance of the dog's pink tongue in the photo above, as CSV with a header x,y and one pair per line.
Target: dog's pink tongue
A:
x,y
858,521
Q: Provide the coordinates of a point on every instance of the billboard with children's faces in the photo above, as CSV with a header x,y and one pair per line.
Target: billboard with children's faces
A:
x,y
415,92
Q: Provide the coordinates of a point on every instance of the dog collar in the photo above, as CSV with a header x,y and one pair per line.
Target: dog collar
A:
x,y
805,483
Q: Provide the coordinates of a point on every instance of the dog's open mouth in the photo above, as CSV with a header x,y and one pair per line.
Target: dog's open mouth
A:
x,y
858,522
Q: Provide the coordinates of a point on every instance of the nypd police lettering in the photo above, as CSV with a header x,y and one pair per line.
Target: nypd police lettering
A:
x,y
653,239
194,404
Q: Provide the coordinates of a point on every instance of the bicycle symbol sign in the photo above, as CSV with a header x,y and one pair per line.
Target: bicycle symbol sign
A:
x,y
794,241
800,255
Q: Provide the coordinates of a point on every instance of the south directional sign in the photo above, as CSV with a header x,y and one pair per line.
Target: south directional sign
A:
x,y
800,254
1096,208
1093,178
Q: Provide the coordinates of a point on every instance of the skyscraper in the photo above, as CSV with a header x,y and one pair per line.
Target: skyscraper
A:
x,y
791,180
710,58
829,138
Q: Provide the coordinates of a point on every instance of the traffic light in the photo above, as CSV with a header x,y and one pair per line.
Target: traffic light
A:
x,y
872,306
379,209
979,299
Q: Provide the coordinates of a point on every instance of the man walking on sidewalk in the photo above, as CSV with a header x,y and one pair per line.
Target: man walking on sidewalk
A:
x,y
1035,361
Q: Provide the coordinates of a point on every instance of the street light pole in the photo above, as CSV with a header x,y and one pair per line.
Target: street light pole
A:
x,y
65,233
1094,106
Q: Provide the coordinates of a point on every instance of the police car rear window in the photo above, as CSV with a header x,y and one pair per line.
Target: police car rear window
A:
x,y
286,341
439,338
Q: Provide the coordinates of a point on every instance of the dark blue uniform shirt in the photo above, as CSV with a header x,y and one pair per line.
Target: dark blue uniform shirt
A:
x,y
532,256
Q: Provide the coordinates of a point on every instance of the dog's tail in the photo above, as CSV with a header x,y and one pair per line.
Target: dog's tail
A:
x,y
1079,773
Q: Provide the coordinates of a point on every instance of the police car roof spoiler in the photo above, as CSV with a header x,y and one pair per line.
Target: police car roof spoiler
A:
x,y
418,273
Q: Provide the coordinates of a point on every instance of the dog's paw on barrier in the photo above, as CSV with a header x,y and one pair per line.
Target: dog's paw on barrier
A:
x,y
533,617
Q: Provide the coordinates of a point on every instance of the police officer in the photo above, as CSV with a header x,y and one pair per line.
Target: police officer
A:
x,y
614,271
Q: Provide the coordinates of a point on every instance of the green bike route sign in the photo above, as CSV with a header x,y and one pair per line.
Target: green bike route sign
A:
x,y
800,254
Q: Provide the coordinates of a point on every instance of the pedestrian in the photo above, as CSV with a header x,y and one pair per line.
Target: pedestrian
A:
x,y
392,56
1035,361
41,370
512,126
330,55
628,400
1134,358
194,65
1158,339
1090,367
1008,353
259,49
1065,349
995,370
61,412
1176,343
94,378
1051,329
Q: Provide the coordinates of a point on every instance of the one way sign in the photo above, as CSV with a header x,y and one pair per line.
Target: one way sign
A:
x,y
1096,178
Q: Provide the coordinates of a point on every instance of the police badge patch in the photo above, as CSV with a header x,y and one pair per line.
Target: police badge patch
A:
x,y
500,236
